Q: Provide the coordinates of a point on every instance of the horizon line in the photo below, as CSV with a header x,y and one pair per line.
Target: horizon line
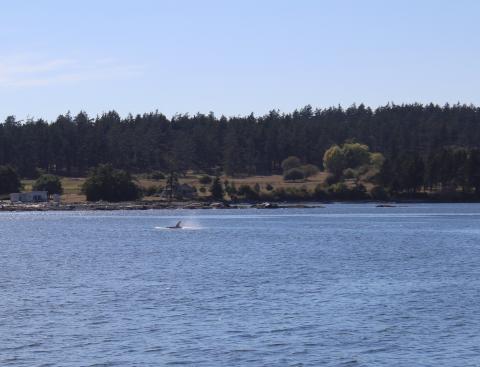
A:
x,y
278,111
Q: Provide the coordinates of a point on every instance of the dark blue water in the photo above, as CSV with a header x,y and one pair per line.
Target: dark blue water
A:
x,y
347,285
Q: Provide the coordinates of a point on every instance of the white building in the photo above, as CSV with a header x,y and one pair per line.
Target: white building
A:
x,y
29,197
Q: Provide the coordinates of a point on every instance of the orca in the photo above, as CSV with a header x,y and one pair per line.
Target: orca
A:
x,y
176,226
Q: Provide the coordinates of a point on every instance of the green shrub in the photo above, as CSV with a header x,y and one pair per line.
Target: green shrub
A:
x,y
331,179
361,170
269,187
334,160
356,154
247,192
349,173
294,174
231,189
290,163
309,170
351,155
49,183
340,191
109,184
37,173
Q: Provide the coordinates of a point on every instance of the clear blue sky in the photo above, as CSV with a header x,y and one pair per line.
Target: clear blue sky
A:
x,y
234,57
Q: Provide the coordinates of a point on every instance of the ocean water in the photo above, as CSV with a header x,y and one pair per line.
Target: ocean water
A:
x,y
344,285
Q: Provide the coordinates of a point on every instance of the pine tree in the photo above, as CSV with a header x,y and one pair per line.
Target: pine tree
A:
x,y
216,189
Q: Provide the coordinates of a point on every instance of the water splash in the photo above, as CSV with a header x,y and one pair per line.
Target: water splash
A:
x,y
190,223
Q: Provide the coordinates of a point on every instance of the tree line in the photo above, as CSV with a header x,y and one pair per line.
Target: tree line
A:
x,y
425,146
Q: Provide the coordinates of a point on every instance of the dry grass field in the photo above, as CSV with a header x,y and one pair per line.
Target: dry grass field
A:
x,y
72,186
274,180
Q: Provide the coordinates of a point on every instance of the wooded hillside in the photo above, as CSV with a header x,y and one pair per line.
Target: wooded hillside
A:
x,y
437,145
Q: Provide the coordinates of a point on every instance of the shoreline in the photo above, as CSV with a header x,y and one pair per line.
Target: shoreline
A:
x,y
26,207
192,205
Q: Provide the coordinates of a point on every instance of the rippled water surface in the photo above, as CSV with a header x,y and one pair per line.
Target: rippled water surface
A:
x,y
345,285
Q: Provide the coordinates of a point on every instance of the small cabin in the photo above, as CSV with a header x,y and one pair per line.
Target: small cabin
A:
x,y
29,197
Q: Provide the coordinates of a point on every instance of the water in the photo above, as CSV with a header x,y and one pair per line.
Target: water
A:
x,y
347,285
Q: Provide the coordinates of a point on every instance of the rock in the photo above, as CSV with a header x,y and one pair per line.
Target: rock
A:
x,y
218,206
194,206
266,205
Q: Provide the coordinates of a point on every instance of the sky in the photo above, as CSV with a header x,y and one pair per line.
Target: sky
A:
x,y
234,57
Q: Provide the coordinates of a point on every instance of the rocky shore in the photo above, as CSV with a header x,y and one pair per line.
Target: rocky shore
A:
x,y
143,205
